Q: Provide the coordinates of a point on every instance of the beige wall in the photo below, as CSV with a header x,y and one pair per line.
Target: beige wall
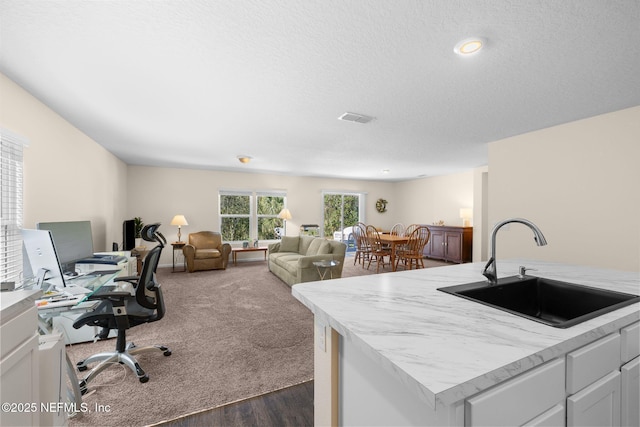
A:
x,y
67,176
579,182
428,200
157,194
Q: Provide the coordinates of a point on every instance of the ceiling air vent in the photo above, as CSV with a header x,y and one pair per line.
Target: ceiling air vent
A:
x,y
353,117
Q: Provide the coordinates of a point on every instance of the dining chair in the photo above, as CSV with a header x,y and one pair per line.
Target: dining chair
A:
x,y
409,229
363,248
378,250
413,251
397,229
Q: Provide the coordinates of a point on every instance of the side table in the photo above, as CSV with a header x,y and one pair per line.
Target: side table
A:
x,y
177,246
324,267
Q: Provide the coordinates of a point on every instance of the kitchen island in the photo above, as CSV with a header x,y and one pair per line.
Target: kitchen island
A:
x,y
393,350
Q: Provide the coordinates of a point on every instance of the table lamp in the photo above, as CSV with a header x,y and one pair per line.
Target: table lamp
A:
x,y
179,220
465,214
285,215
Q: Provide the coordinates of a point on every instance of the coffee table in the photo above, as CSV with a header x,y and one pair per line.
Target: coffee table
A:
x,y
234,252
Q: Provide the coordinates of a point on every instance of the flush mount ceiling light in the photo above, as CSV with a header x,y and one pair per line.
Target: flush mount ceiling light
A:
x,y
469,46
353,117
244,159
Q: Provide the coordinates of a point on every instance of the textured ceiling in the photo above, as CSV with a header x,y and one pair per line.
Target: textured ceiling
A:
x,y
193,84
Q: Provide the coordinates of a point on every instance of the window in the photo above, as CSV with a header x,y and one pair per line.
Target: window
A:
x,y
235,216
341,210
246,216
269,206
11,148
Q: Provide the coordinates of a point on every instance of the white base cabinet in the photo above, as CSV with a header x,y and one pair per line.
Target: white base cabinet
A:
x,y
595,385
19,362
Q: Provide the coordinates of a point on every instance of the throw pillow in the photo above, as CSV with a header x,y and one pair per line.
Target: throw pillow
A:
x,y
289,244
314,247
305,241
325,248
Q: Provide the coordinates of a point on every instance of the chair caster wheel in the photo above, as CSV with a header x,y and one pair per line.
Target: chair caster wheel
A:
x,y
144,379
167,353
83,387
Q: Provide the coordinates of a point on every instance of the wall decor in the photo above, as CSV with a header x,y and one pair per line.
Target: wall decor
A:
x,y
381,205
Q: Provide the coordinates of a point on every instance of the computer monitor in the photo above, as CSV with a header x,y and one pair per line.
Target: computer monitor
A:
x,y
41,260
73,241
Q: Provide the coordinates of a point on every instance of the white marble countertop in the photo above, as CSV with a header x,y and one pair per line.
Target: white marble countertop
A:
x,y
446,348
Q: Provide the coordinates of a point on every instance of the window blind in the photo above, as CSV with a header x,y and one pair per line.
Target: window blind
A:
x,y
11,215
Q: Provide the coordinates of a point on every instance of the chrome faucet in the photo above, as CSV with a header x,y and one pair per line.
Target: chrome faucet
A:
x,y
489,270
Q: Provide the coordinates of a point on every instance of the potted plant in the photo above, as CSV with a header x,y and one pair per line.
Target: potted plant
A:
x,y
138,226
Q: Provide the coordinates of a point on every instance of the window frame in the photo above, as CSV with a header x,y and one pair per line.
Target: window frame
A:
x,y
253,215
361,205
11,206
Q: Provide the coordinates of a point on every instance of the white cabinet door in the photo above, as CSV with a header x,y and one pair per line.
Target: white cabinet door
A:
x,y
597,405
630,379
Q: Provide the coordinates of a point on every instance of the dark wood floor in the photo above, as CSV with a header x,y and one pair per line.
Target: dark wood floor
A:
x,y
292,406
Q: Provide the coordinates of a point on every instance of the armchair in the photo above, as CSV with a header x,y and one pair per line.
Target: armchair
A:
x,y
121,310
205,251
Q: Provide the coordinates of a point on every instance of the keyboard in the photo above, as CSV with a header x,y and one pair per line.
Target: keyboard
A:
x,y
103,259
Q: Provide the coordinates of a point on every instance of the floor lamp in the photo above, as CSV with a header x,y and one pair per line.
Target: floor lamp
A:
x,y
285,215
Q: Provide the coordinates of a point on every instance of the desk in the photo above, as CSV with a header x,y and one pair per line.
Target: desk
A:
x,y
93,282
234,252
177,246
393,241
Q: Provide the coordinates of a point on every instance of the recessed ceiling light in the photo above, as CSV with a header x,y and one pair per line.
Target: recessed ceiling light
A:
x,y
244,159
385,171
469,46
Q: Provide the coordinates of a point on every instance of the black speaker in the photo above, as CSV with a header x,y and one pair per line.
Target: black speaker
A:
x,y
128,235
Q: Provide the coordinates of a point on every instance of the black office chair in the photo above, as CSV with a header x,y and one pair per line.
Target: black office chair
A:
x,y
120,310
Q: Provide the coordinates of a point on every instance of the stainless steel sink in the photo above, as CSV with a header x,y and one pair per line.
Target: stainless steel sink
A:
x,y
554,303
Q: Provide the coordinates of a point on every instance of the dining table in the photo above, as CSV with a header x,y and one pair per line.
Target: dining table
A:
x,y
393,240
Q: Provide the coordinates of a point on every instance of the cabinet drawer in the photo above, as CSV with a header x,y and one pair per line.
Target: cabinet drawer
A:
x,y
518,400
18,330
592,362
630,342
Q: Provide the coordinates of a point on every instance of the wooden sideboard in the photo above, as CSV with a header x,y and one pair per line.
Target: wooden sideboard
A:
x,y
450,243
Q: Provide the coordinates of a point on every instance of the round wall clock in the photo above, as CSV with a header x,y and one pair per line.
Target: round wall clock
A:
x,y
381,205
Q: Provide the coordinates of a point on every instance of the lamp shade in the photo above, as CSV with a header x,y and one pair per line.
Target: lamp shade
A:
x,y
179,220
465,213
285,214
